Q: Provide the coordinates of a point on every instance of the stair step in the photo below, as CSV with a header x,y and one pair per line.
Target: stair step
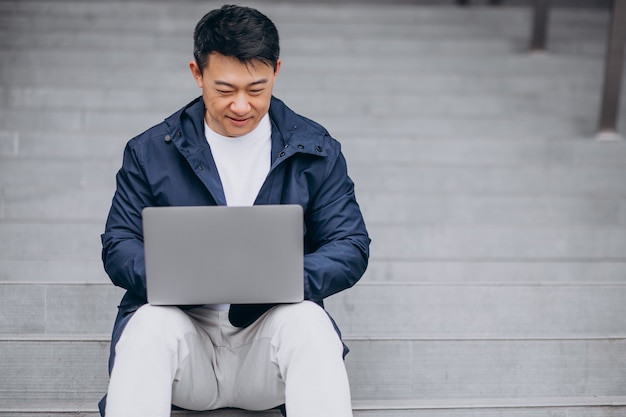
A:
x,y
478,18
92,205
496,272
322,103
540,407
51,270
407,242
313,40
490,180
179,82
73,369
39,204
391,177
479,151
62,144
448,105
422,20
549,212
27,62
538,84
452,309
421,308
490,403
64,241
510,126
381,104
571,91
573,152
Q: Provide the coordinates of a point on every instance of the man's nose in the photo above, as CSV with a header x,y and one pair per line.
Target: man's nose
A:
x,y
241,104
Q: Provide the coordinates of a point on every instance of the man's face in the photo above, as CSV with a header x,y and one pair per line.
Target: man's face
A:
x,y
236,96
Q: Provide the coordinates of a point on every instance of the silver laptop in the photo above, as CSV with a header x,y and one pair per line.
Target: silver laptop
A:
x,y
224,255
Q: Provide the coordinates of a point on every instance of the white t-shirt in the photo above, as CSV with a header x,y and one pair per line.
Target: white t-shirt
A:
x,y
243,164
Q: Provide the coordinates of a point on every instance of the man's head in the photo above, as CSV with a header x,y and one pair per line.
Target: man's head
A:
x,y
239,32
236,62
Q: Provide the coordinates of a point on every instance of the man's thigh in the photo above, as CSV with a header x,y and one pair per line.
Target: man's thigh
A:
x,y
219,365
239,361
258,357
157,346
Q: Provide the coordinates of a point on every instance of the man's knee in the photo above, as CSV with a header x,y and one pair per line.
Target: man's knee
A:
x,y
156,323
307,325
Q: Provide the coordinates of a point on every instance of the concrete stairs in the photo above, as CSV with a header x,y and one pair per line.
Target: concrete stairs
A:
x,y
497,283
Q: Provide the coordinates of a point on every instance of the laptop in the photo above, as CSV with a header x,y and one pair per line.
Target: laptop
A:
x,y
224,255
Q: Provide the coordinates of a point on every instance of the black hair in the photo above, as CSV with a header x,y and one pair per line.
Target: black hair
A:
x,y
239,32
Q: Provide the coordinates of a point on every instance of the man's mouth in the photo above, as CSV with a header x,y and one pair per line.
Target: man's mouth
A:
x,y
239,121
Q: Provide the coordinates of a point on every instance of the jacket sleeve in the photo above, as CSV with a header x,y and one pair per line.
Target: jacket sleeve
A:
x,y
336,231
122,241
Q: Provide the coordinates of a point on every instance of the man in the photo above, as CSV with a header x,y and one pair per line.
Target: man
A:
x,y
234,145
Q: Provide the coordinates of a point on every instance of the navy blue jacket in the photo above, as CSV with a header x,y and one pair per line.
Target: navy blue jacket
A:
x,y
171,165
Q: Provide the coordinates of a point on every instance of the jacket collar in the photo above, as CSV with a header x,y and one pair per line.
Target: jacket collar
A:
x,y
186,127
298,134
291,133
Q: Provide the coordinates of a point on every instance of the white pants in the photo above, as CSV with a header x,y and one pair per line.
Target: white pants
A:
x,y
197,360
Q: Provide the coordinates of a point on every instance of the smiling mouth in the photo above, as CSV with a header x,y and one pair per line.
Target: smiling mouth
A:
x,y
237,121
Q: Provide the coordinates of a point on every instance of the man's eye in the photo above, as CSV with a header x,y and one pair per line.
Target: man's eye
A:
x,y
256,92
224,92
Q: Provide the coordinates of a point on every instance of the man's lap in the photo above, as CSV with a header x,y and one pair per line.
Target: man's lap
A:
x,y
219,365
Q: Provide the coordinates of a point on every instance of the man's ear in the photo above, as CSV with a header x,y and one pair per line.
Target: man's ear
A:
x,y
196,73
278,64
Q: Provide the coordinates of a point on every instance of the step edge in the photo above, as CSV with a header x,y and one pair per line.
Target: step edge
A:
x,y
525,402
413,404
100,337
484,337
364,283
